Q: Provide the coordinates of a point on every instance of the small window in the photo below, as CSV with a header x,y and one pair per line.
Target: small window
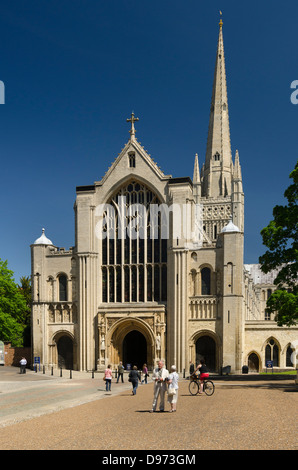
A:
x,y
267,315
215,232
206,281
217,157
132,160
62,288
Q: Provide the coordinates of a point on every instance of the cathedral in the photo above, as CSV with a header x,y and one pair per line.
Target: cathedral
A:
x,y
157,270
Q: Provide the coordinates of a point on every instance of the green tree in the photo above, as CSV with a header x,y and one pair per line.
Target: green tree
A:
x,y
25,290
281,239
12,307
11,330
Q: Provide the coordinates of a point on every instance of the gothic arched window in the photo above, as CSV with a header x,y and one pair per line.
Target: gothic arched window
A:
x,y
272,352
290,356
134,254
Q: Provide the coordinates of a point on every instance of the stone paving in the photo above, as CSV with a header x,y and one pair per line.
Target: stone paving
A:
x,y
41,412
24,396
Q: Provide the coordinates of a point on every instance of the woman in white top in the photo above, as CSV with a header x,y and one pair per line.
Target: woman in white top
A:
x,y
173,384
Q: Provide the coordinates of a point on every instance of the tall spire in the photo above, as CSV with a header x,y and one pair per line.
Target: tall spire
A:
x,y
237,176
196,171
217,176
196,180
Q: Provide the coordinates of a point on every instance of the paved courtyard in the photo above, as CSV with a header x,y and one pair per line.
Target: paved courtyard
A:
x,y
51,413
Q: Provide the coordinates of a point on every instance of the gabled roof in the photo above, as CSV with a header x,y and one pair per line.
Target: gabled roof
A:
x,y
134,146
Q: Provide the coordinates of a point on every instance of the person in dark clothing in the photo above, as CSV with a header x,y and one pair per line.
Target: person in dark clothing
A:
x,y
134,377
120,372
204,373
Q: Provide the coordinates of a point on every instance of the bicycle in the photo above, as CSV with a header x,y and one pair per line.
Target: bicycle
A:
x,y
194,386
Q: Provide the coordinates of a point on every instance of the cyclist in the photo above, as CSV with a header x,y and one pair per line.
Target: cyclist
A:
x,y
204,374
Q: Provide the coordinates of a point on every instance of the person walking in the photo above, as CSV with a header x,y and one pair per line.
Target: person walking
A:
x,y
173,389
159,376
120,372
23,363
108,378
145,373
134,377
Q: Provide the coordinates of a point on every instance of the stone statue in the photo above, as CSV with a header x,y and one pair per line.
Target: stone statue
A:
x,y
158,342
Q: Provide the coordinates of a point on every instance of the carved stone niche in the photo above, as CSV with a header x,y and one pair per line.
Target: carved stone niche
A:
x,y
51,315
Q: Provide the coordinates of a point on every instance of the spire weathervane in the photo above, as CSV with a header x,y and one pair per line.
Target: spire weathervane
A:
x,y
220,22
132,130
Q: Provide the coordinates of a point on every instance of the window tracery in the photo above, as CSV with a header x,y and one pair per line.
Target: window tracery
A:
x,y
134,266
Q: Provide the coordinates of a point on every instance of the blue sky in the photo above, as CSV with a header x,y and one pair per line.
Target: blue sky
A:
x,y
74,71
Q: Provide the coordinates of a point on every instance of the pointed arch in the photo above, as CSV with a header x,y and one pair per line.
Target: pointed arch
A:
x,y
272,351
254,361
128,179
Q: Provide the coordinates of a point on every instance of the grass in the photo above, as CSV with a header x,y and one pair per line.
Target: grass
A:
x,y
290,372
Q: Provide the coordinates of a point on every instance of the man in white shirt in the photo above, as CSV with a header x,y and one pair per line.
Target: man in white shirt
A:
x,y
159,377
23,364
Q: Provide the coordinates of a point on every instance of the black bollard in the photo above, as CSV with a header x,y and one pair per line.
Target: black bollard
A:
x,y
43,369
92,374
70,374
52,370
60,371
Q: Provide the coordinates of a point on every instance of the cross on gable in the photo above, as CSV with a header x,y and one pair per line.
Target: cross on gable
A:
x,y
133,119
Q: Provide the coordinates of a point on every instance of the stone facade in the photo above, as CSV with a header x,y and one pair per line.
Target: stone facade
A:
x,y
113,297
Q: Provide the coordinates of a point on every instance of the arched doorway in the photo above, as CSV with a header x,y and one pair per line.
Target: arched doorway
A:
x,y
253,363
134,349
206,349
65,352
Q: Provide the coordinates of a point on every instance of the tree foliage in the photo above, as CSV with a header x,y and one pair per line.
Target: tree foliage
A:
x,y
25,290
13,308
281,239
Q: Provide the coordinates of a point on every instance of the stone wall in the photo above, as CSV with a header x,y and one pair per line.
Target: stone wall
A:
x,y
12,356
